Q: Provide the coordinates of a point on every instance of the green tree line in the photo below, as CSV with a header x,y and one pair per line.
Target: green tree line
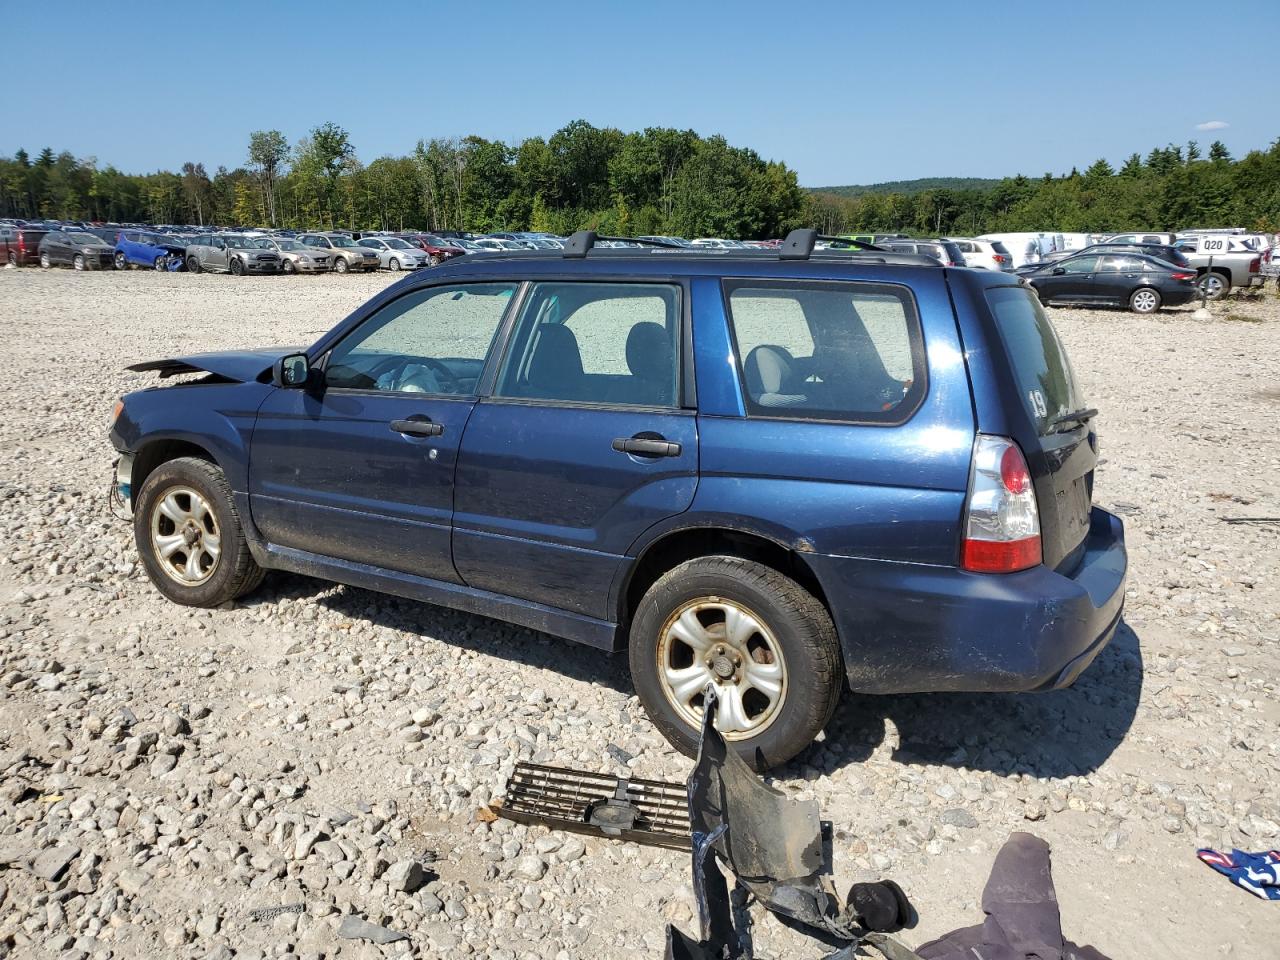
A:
x,y
657,180
1173,187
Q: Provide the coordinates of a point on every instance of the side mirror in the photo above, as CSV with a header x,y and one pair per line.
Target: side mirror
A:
x,y
1059,271
291,371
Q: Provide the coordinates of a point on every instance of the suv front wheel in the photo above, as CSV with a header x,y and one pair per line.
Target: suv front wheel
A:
x,y
766,643
189,535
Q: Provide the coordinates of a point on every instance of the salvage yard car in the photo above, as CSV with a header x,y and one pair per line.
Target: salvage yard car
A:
x,y
80,251
142,249
230,253
346,254
1142,283
393,253
294,257
781,474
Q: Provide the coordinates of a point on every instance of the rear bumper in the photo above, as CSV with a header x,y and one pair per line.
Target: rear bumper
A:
x,y
911,628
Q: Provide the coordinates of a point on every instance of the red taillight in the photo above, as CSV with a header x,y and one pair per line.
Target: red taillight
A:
x,y
1006,556
998,258
22,244
1255,264
1013,471
1183,276
1002,520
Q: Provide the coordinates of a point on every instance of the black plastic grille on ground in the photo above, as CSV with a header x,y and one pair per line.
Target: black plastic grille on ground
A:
x,y
642,811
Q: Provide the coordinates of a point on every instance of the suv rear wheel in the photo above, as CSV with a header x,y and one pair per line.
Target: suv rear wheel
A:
x,y
189,535
340,265
766,643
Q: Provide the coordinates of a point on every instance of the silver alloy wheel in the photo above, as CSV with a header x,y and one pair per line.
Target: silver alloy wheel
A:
x,y
1145,301
340,265
121,262
185,537
719,641
45,262
77,262
1213,284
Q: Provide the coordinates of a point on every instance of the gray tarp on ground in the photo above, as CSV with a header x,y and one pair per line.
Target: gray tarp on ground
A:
x,y
1021,905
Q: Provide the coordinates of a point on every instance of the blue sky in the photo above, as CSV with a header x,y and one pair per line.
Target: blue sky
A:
x,y
842,92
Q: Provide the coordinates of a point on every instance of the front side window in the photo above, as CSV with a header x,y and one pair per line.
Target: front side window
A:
x,y
828,351
1079,265
428,341
600,343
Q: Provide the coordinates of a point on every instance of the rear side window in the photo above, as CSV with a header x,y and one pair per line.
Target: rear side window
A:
x,y
845,351
1036,355
598,343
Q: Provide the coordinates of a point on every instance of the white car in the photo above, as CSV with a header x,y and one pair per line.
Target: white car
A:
x,y
714,243
396,254
985,255
1023,248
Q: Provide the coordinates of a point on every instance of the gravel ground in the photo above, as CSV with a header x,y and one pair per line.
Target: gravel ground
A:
x,y
166,771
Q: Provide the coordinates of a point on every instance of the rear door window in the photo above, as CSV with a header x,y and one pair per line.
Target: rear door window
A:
x,y
845,351
1040,364
597,343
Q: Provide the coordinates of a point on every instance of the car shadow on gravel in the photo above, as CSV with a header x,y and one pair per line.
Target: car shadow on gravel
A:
x,y
465,630
1062,733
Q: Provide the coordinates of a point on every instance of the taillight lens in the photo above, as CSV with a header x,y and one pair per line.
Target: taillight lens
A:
x,y
1255,264
1183,276
1002,521
998,258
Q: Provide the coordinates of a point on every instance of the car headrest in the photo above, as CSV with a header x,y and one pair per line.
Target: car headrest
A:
x,y
649,351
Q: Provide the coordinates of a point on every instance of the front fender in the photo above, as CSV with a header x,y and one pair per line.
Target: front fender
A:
x,y
216,417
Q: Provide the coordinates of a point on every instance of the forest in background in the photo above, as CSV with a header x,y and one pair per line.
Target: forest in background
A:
x,y
655,181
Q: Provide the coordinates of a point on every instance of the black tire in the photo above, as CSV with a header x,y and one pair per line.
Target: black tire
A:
x,y
288,267
121,262
434,259
193,265
394,265
13,259
78,262
235,573
1145,300
340,265
45,261
1215,285
161,262
800,625
237,267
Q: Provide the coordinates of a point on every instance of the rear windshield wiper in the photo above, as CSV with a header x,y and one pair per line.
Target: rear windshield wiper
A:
x,y
1076,416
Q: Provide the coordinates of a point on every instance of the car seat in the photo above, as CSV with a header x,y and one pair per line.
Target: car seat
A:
x,y
769,372
649,358
555,366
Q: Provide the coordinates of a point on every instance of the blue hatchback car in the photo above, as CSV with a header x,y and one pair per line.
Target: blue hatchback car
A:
x,y
140,248
784,474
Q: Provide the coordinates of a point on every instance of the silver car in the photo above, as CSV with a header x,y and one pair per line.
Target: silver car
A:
x,y
230,253
346,253
396,254
294,257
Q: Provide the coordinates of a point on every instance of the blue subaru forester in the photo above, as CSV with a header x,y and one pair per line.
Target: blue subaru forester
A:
x,y
780,473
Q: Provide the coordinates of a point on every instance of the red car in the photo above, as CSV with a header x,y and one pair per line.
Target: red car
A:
x,y
20,246
438,249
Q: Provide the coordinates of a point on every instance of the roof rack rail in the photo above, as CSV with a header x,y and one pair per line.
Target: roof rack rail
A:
x,y
577,246
800,243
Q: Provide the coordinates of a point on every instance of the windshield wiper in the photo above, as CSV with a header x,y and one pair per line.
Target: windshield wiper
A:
x,y
1076,416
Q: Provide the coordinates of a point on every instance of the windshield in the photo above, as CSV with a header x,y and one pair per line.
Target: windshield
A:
x,y
395,243
343,242
288,245
85,238
1038,359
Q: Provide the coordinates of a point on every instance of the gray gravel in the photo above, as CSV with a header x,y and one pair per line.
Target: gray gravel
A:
x,y
169,776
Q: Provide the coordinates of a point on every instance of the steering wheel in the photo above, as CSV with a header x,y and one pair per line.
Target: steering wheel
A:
x,y
446,378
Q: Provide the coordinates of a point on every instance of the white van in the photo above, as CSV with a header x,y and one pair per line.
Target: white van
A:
x,y
1023,247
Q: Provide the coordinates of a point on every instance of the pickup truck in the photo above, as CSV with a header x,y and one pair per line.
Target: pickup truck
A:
x,y
1231,268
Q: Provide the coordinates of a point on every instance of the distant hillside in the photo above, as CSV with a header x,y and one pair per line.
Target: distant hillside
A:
x,y
910,186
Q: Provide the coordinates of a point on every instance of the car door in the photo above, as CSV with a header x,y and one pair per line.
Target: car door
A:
x,y
1117,276
360,465
585,442
1070,279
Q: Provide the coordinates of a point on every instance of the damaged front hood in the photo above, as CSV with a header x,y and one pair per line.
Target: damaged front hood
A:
x,y
241,365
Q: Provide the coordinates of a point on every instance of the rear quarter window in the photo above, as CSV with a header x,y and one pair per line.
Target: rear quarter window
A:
x,y
843,351
1037,359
